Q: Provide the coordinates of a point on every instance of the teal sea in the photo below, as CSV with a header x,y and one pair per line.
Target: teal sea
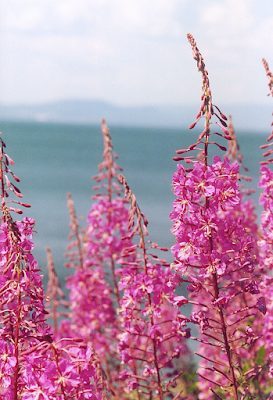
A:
x,y
54,159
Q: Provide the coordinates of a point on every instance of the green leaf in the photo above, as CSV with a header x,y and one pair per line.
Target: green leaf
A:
x,y
260,356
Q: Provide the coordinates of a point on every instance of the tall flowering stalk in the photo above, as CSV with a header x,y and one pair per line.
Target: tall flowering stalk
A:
x,y
21,309
267,194
96,255
33,366
153,330
215,252
75,253
107,219
55,297
266,243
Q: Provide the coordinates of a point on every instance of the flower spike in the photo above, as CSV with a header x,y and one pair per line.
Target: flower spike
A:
x,y
153,328
216,255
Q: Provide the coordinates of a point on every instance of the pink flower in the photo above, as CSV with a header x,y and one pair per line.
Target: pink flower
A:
x,y
180,301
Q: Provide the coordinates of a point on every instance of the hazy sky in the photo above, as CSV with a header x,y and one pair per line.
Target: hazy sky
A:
x,y
133,52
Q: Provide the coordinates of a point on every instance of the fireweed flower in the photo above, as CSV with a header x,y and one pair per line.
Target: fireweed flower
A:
x,y
95,253
216,254
242,303
266,199
32,365
266,248
153,331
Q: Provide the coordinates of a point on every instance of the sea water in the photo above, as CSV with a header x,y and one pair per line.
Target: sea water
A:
x,y
54,159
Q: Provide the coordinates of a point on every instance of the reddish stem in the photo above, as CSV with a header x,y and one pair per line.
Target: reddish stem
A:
x,y
150,304
214,275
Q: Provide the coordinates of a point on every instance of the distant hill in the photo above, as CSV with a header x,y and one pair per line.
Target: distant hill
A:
x,y
254,117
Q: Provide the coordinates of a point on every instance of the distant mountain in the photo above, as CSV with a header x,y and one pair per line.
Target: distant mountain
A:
x,y
254,117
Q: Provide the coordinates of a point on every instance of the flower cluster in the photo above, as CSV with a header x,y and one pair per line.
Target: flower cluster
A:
x,y
33,366
216,250
265,242
153,330
96,254
124,335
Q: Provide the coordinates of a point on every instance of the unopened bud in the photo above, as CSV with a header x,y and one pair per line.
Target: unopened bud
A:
x,y
182,151
9,159
178,158
26,205
223,116
192,125
226,132
267,153
18,194
17,210
7,181
16,178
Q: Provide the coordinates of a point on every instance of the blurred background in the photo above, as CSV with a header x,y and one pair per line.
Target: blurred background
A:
x,y
66,64
132,54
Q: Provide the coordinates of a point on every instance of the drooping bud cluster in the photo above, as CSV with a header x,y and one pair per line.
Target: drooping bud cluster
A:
x,y
7,187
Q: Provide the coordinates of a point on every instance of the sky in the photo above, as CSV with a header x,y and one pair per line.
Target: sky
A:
x,y
133,52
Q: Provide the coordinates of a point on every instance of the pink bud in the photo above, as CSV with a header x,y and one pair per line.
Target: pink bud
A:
x,y
7,181
18,194
21,204
223,116
267,153
223,123
17,210
16,178
192,125
9,159
178,158
226,132
26,205
202,105
220,147
247,178
182,151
